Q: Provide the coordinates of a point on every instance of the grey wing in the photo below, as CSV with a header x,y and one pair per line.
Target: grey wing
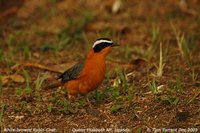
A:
x,y
71,73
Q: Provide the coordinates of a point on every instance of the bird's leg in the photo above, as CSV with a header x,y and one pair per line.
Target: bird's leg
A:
x,y
91,110
70,108
88,101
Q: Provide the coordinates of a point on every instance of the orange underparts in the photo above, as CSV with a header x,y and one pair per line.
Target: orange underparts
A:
x,y
91,76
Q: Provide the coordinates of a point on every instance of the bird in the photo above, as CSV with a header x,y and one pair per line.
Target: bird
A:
x,y
88,74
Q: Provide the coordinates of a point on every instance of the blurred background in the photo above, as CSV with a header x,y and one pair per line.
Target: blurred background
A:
x,y
58,25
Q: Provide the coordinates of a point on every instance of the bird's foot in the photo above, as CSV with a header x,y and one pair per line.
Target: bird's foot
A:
x,y
72,109
92,111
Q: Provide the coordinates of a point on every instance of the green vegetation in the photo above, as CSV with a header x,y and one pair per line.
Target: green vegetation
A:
x,y
178,88
116,108
182,44
161,64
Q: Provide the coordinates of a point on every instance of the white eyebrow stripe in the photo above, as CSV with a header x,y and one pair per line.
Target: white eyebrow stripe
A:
x,y
101,41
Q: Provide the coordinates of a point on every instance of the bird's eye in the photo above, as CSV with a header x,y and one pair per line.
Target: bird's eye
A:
x,y
101,44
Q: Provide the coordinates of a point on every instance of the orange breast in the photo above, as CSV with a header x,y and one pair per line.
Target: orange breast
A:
x,y
90,78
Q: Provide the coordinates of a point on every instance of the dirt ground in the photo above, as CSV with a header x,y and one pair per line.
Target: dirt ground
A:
x,y
152,81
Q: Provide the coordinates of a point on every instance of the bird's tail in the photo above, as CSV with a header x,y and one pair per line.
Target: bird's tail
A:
x,y
53,85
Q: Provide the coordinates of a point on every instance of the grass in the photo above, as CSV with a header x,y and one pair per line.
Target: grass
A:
x,y
120,86
161,64
156,90
99,96
49,108
27,93
10,42
81,103
55,99
172,96
65,107
192,99
131,93
194,75
127,52
122,90
19,45
71,34
139,130
27,78
105,32
26,52
153,87
60,105
19,91
119,90
22,106
39,81
116,108
76,29
28,88
155,32
178,87
191,42
49,46
182,44
144,53
121,73
115,93
170,100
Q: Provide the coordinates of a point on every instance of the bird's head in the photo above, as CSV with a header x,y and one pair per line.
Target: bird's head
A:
x,y
103,45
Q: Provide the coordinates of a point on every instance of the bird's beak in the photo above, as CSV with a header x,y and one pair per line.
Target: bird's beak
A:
x,y
114,45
